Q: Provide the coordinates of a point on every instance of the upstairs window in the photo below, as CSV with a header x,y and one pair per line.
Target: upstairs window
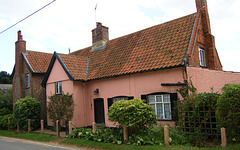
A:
x,y
161,105
202,57
58,87
27,81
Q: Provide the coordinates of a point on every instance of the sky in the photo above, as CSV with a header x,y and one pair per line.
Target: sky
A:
x,y
67,24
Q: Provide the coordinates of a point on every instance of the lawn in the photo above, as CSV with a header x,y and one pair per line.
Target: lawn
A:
x,y
110,146
29,136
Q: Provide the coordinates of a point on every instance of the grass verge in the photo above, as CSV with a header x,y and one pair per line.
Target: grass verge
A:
x,y
29,136
110,146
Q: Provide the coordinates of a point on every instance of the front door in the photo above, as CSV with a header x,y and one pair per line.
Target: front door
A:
x,y
99,110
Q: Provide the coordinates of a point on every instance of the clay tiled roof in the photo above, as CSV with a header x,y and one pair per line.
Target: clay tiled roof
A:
x,y
158,47
75,65
37,61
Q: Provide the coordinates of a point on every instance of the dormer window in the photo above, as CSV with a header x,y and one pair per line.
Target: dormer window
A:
x,y
58,87
202,57
27,81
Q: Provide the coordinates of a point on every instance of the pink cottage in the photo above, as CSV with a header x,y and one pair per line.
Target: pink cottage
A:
x,y
150,64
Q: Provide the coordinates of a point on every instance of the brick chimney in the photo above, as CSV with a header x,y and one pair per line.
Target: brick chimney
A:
x,y
99,36
18,78
203,10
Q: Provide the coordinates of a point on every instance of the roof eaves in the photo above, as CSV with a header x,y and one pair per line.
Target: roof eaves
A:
x,y
181,65
27,62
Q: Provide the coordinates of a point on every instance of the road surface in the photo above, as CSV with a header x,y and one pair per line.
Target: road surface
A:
x,y
20,144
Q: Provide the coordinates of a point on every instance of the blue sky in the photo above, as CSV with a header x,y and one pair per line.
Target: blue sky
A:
x,y
68,24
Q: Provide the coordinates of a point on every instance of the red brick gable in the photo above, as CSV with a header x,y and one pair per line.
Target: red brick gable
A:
x,y
37,61
158,47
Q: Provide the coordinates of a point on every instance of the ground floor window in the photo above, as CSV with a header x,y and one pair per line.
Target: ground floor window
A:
x,y
161,105
118,98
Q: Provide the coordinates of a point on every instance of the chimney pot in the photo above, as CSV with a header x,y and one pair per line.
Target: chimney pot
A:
x,y
19,35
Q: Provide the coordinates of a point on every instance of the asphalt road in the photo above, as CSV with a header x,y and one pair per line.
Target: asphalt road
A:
x,y
19,144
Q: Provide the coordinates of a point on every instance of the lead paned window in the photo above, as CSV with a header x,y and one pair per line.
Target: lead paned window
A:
x,y
27,81
202,57
161,105
119,98
58,87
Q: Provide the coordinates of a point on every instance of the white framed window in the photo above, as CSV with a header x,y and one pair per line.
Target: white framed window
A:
x,y
202,57
119,98
161,105
58,87
27,81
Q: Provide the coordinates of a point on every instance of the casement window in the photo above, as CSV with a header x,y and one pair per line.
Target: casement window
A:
x,y
58,87
202,57
118,98
27,81
162,104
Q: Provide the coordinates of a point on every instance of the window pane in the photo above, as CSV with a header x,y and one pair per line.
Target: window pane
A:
x,y
151,99
166,98
159,111
153,106
159,98
167,111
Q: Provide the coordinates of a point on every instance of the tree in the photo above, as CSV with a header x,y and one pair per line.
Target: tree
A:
x,y
5,78
27,108
132,113
228,110
60,107
6,100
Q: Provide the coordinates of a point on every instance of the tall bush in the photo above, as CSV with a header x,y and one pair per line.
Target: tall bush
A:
x,y
60,107
27,108
228,111
132,113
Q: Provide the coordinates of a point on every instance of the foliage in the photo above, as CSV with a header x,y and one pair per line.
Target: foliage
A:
x,y
60,107
4,121
151,136
6,100
5,78
187,90
27,108
4,111
132,113
228,111
196,114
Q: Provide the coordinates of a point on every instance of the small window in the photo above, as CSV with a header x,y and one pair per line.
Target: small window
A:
x,y
27,81
118,98
58,87
202,57
161,105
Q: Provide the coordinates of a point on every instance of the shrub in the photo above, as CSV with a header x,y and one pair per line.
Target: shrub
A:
x,y
4,121
4,111
150,136
27,108
228,111
60,107
132,113
6,100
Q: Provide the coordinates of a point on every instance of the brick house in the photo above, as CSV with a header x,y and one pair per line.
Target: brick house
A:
x,y
28,73
150,64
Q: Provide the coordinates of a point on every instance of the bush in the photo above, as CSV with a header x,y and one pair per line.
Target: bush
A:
x,y
151,136
4,121
132,113
228,111
6,100
4,111
60,107
27,108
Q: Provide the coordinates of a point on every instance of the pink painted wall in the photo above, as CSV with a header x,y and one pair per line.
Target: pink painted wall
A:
x,y
203,79
133,85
